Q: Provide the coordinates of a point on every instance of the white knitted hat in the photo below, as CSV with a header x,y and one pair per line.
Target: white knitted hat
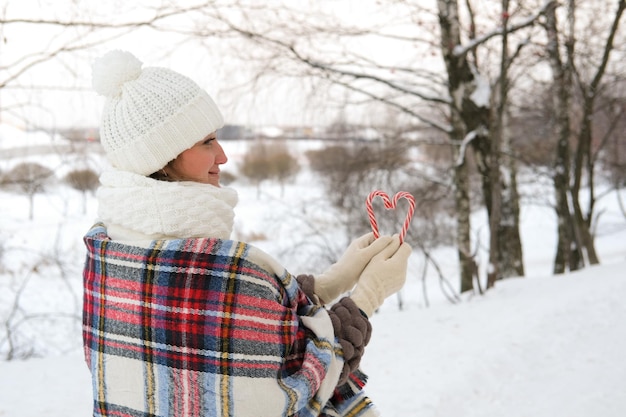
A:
x,y
151,115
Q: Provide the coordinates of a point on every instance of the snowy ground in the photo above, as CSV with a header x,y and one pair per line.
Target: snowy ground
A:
x,y
541,346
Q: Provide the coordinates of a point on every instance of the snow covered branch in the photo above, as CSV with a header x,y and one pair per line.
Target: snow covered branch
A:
x,y
480,131
462,50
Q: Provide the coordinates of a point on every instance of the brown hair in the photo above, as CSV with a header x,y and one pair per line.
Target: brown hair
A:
x,y
161,175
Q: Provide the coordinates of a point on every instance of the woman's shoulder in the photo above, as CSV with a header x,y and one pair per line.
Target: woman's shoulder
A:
x,y
230,251
197,257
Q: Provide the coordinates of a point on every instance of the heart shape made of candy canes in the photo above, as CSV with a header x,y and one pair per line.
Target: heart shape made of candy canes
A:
x,y
390,204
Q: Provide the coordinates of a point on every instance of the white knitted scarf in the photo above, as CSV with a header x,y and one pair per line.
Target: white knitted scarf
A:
x,y
161,209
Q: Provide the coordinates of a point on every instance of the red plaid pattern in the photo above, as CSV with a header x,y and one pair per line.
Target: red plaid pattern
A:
x,y
206,327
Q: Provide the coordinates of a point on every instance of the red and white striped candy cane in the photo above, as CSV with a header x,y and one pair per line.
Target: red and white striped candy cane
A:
x,y
390,204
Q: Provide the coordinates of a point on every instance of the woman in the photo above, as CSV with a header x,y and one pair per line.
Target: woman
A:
x,y
181,320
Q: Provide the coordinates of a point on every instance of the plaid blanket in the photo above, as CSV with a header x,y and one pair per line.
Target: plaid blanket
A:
x,y
207,327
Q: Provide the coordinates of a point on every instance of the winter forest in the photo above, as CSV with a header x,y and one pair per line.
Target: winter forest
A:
x,y
504,118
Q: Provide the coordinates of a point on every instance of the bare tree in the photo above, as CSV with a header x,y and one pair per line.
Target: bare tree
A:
x,y
30,178
255,165
284,165
481,125
72,37
29,328
83,180
268,160
479,51
575,241
297,45
585,156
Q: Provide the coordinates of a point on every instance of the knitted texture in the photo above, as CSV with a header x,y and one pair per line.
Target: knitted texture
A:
x,y
343,274
352,328
151,115
156,209
307,285
383,276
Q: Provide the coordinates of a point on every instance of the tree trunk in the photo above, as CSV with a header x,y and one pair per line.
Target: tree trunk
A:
x,y
584,159
459,76
508,254
463,240
510,257
505,248
562,260
499,188
31,206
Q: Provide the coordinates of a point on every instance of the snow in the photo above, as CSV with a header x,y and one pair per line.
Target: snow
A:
x,y
539,346
54,386
549,346
481,95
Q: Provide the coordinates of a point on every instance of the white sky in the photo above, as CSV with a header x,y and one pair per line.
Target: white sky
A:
x,y
213,66
278,101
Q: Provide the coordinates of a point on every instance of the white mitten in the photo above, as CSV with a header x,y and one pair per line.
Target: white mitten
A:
x,y
384,275
342,275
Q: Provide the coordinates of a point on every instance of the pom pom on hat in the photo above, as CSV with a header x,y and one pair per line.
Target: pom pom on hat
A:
x,y
151,114
112,70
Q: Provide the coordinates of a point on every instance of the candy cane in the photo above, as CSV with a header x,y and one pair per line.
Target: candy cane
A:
x,y
390,204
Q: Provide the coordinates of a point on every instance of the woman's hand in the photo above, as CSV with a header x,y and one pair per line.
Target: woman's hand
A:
x,y
343,275
384,275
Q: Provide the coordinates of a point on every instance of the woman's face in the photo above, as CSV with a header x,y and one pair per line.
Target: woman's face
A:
x,y
200,163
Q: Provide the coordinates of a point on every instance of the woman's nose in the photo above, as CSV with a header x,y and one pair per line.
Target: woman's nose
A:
x,y
221,155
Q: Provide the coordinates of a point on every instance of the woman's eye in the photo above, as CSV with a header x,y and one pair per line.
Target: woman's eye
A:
x,y
208,141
